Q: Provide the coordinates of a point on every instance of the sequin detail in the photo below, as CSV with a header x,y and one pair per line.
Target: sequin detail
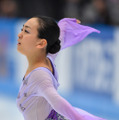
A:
x,y
25,82
55,116
25,94
22,108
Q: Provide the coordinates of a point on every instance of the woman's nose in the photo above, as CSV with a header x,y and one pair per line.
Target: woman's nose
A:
x,y
20,35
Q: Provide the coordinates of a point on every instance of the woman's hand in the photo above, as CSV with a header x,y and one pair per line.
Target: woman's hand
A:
x,y
78,21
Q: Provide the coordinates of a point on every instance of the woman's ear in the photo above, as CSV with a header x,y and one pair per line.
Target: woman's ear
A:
x,y
42,43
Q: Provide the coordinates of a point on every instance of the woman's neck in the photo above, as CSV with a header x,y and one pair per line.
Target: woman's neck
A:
x,y
34,60
38,61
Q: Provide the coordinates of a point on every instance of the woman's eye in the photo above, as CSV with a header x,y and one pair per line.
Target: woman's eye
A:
x,y
26,31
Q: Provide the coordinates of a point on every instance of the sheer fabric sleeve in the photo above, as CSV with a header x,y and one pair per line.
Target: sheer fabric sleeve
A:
x,y
46,89
71,33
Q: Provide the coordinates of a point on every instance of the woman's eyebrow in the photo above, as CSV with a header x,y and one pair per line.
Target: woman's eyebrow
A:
x,y
26,26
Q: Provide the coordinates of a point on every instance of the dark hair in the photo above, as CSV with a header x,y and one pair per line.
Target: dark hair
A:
x,y
49,30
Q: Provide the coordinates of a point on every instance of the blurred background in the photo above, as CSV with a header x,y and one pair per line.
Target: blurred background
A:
x,y
88,71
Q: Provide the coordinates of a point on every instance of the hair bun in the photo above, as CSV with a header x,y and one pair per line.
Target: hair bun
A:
x,y
55,47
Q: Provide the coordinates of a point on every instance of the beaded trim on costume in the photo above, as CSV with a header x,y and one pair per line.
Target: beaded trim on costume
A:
x,y
55,116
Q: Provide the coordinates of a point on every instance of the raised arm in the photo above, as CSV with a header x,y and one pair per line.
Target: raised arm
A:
x,y
71,32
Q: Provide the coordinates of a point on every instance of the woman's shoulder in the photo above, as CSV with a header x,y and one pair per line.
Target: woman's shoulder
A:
x,y
40,72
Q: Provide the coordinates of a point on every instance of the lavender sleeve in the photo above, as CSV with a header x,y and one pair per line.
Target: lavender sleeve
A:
x,y
46,89
72,33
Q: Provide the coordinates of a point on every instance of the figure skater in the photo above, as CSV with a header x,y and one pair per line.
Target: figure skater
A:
x,y
38,40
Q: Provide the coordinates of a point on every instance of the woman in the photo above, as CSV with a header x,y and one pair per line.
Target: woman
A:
x,y
39,42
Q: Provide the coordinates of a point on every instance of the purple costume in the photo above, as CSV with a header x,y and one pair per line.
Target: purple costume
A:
x,y
38,98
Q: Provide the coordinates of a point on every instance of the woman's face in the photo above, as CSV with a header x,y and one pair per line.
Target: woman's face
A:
x,y
27,37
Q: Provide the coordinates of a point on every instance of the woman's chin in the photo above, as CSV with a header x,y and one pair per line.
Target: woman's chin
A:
x,y
20,51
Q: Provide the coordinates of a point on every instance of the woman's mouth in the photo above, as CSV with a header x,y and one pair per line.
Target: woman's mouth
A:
x,y
18,43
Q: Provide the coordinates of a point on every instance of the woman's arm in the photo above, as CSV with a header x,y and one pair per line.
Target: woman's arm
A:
x,y
71,32
46,89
